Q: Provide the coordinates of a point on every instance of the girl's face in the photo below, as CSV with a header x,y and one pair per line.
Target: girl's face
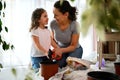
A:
x,y
60,18
43,19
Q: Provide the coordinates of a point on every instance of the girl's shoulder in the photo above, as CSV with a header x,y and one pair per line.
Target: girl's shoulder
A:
x,y
34,30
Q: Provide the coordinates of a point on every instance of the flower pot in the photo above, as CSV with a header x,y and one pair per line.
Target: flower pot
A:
x,y
48,69
117,68
101,75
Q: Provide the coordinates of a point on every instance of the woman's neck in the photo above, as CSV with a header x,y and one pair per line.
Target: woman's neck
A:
x,y
65,22
64,25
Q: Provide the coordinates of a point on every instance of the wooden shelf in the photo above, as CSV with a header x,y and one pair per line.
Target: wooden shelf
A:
x,y
114,47
112,36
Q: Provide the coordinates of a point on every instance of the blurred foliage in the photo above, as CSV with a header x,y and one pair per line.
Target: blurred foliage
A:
x,y
28,77
104,15
30,74
3,43
14,72
1,65
72,0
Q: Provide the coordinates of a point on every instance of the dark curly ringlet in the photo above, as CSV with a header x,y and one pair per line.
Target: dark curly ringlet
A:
x,y
66,7
35,17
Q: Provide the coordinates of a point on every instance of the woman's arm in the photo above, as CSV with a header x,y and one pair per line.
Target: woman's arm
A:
x,y
73,45
38,46
74,39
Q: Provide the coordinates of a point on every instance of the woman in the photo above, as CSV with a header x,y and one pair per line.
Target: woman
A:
x,y
65,32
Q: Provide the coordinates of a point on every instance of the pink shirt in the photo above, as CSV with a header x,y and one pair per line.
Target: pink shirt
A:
x,y
44,40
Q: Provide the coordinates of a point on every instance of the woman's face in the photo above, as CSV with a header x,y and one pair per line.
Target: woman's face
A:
x,y
44,19
59,16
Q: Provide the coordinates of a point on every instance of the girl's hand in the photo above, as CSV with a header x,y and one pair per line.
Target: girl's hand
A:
x,y
54,56
58,52
46,54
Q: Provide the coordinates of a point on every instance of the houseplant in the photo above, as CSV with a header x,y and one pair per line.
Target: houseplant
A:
x,y
4,45
104,15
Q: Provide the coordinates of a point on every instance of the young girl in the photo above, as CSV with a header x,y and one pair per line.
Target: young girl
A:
x,y
40,36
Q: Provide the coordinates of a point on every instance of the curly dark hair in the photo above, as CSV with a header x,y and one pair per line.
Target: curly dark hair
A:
x,y
35,17
66,7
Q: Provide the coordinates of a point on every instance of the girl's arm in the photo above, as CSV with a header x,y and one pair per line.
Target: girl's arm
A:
x,y
53,43
38,46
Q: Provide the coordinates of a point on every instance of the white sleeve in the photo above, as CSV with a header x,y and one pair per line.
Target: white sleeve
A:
x,y
34,32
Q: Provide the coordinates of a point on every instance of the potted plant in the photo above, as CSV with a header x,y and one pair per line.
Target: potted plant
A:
x,y
104,15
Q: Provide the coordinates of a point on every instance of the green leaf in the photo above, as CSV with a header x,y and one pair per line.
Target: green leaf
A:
x,y
6,29
0,22
1,5
0,28
0,25
1,65
4,4
5,46
114,12
3,14
72,0
0,40
14,71
61,1
12,47
28,77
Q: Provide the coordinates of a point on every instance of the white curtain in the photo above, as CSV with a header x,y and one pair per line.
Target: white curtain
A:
x,y
17,19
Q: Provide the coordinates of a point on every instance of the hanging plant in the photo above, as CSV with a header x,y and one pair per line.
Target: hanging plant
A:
x,y
3,43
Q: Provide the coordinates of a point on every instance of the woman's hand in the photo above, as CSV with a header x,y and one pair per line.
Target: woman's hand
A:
x,y
54,56
58,52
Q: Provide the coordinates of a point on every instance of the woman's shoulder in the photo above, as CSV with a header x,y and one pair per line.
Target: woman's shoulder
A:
x,y
75,26
53,23
74,23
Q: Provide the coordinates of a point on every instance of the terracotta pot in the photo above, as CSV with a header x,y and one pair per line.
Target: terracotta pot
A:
x,y
48,69
101,75
117,68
